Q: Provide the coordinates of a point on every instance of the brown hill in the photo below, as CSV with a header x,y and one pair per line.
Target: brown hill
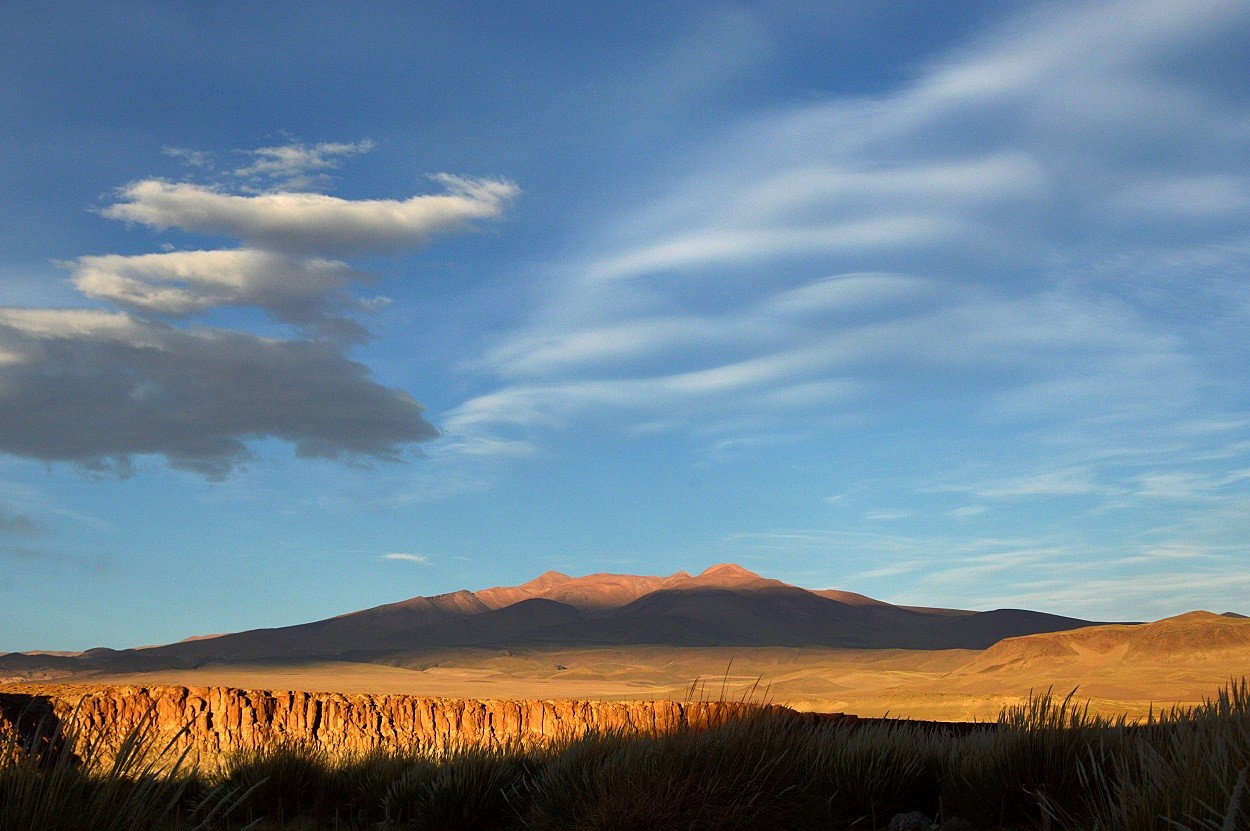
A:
x,y
1172,639
1122,668
726,605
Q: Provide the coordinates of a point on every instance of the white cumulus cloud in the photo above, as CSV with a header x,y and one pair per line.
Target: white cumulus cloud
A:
x,y
182,283
304,290
314,224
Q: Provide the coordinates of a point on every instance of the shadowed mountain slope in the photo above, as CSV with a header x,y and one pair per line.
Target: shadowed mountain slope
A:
x,y
726,605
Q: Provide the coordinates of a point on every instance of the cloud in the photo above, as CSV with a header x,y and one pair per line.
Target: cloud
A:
x,y
313,224
1205,198
536,404
1057,483
1147,596
192,158
836,341
24,556
293,166
184,283
22,552
490,447
733,246
887,516
774,319
420,559
1188,486
1120,580
294,161
993,227
18,524
99,388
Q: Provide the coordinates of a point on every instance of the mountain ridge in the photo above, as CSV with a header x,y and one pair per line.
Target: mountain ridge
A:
x,y
724,605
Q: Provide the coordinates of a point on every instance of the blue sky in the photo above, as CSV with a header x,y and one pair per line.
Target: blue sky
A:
x,y
306,308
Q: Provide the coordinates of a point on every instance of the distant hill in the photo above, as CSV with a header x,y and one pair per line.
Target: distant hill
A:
x,y
726,605
1173,640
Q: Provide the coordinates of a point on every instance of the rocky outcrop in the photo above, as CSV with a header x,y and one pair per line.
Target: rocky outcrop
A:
x,y
214,720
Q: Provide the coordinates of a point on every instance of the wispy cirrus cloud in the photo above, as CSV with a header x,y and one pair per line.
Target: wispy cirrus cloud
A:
x,y
843,338
975,218
291,166
293,163
1058,572
419,559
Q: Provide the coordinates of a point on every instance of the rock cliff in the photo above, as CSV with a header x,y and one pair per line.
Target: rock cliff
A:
x,y
218,720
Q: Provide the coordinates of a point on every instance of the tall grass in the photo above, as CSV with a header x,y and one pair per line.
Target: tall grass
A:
x,y
65,777
1185,768
1047,764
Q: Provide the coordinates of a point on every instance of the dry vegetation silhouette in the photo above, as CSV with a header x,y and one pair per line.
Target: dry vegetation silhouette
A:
x,y
1049,764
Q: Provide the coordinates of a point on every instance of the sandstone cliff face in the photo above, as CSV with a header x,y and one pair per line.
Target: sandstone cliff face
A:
x,y
221,719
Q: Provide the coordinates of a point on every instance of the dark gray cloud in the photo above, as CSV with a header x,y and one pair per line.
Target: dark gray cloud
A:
x,y
25,552
18,524
22,557
99,388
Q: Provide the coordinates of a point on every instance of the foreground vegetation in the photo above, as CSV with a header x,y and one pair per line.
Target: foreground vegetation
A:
x,y
1046,765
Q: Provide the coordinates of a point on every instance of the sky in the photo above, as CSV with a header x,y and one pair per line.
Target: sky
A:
x,y
310,307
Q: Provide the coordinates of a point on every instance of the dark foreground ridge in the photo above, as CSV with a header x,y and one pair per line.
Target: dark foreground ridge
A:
x,y
1046,764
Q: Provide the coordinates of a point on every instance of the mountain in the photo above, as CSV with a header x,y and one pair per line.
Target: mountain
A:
x,y
726,605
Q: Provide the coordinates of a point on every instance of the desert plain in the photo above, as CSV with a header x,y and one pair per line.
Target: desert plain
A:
x,y
1108,667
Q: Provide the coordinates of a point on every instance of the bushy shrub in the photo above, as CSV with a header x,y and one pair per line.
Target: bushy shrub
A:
x,y
281,780
864,775
741,775
468,789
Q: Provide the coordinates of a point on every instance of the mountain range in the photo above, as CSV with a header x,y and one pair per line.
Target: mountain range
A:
x,y
726,605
